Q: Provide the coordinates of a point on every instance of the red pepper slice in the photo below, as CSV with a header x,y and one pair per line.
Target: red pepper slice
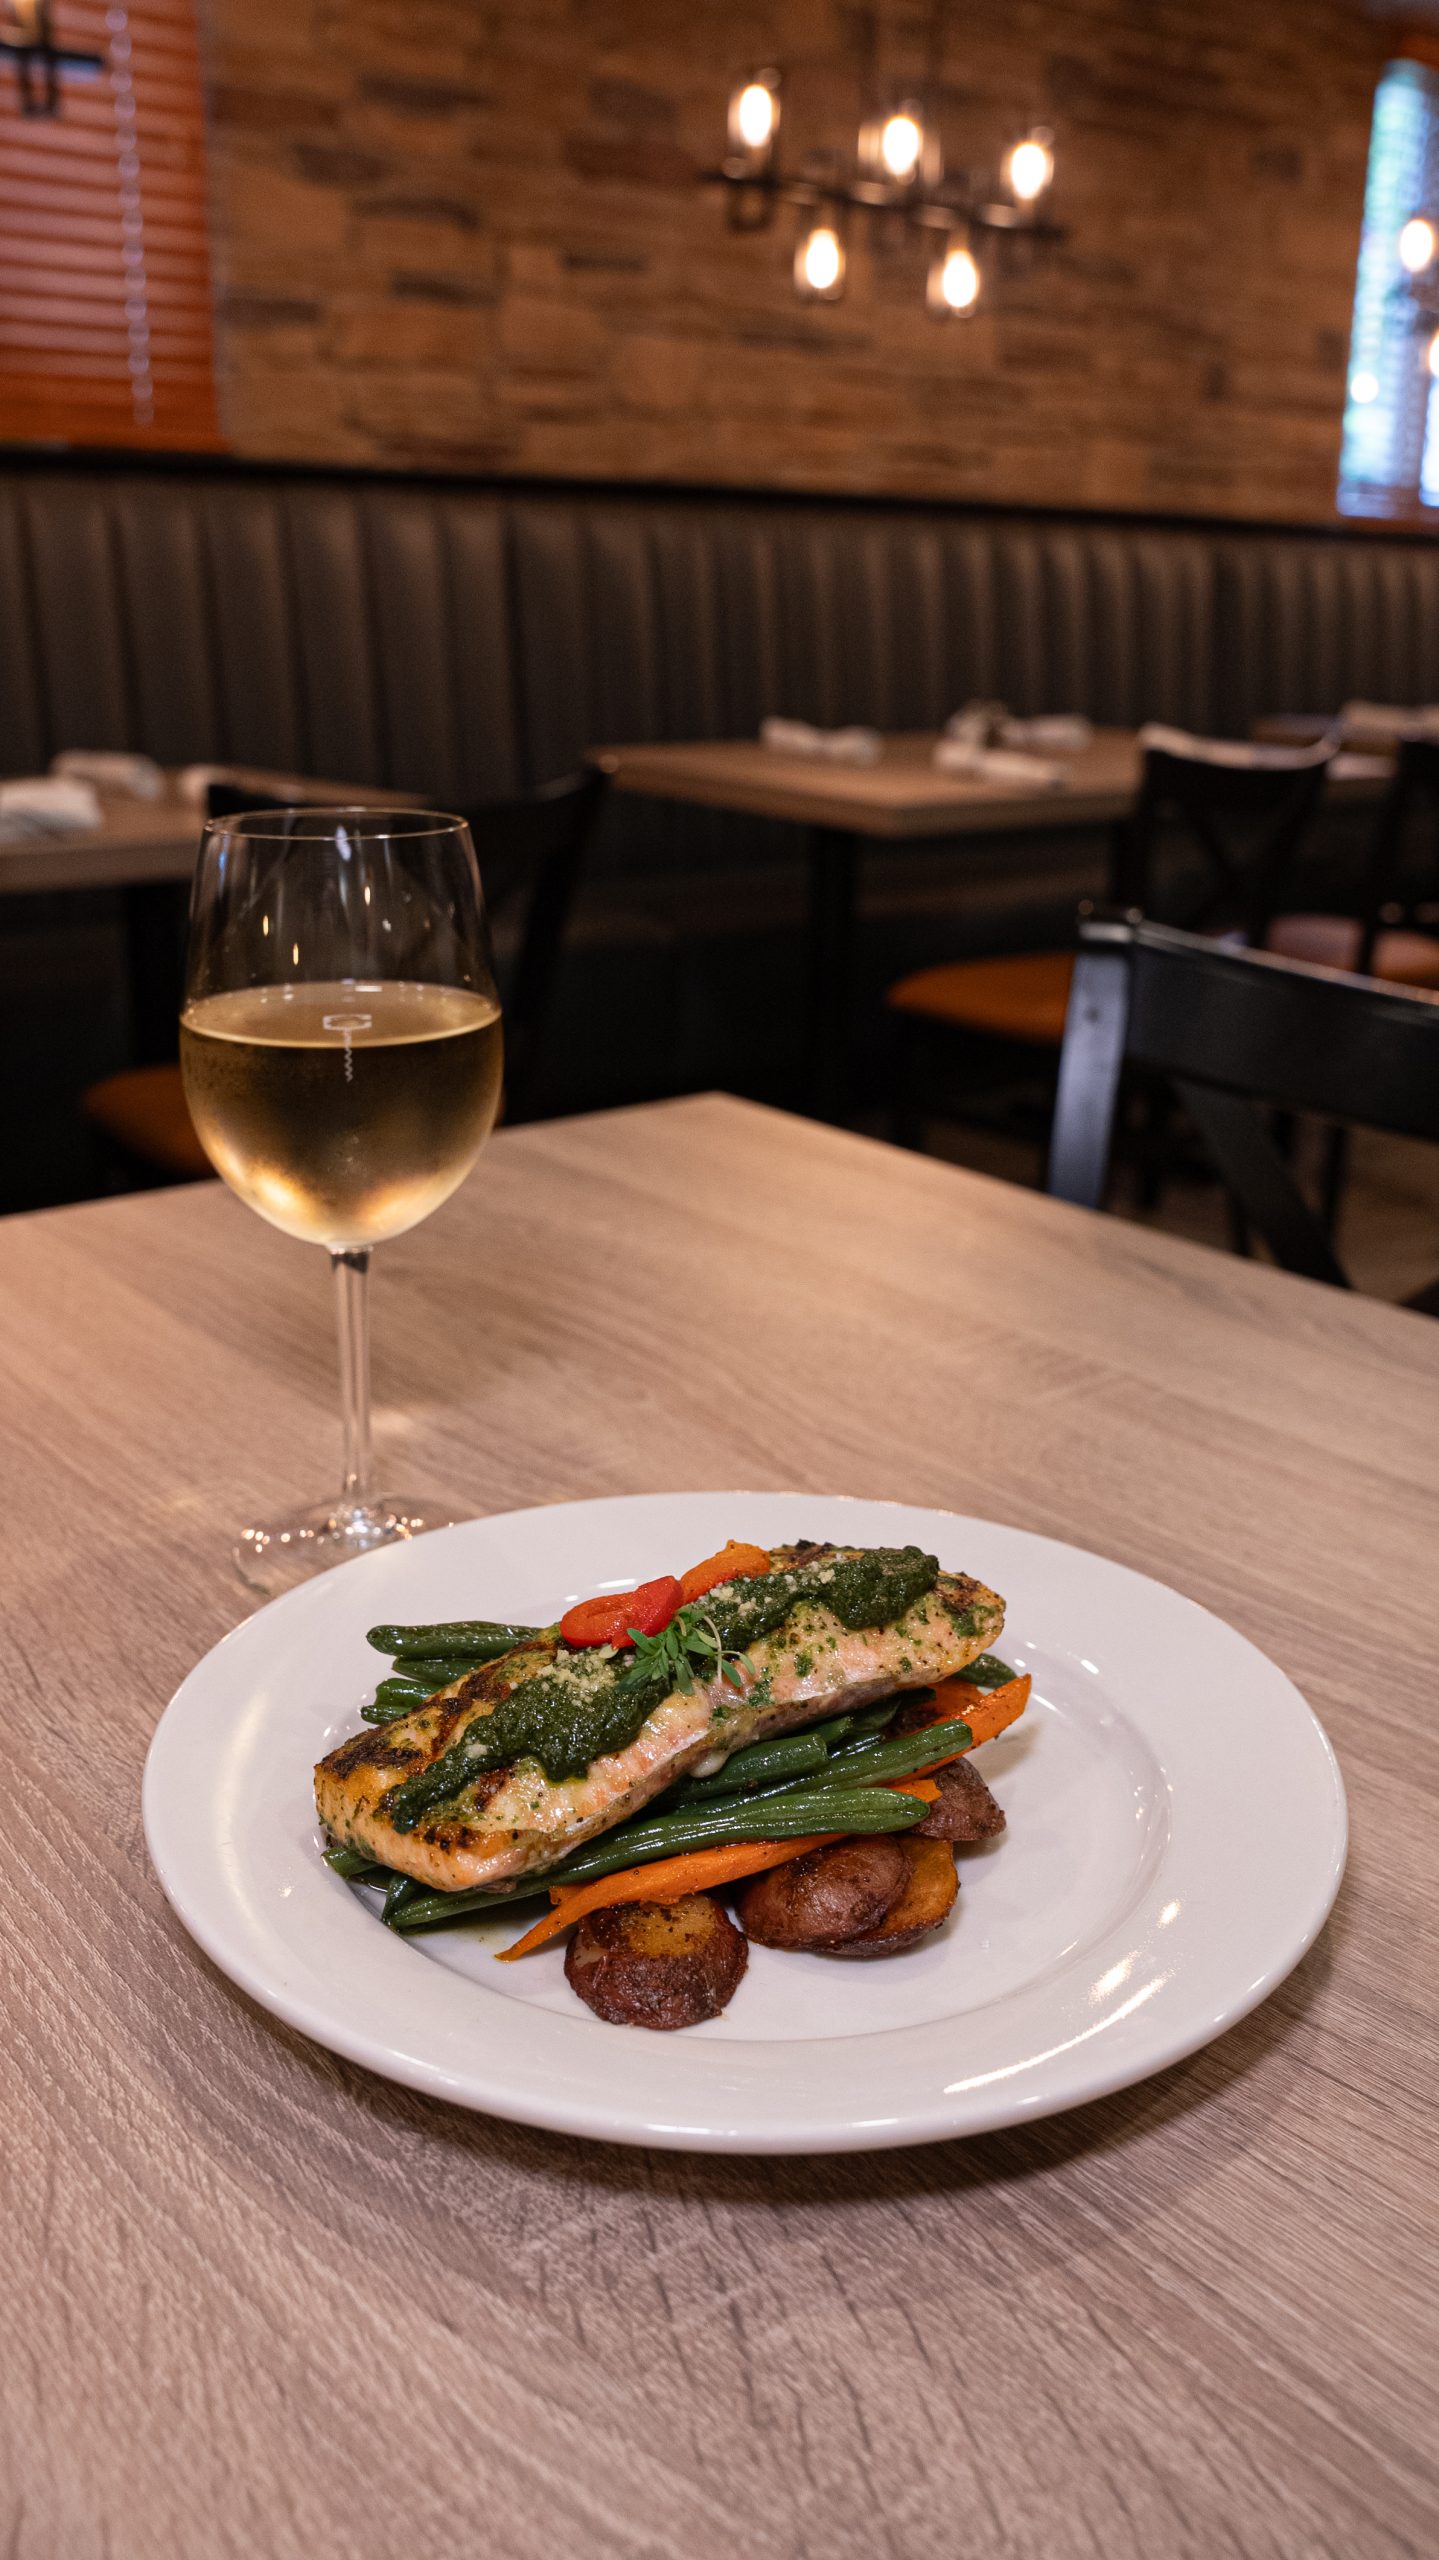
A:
x,y
612,1618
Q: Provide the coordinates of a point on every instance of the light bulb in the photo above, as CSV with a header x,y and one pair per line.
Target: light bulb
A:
x,y
1364,387
954,283
1418,242
754,115
819,262
901,142
1031,166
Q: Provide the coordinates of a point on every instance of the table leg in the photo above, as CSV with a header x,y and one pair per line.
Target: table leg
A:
x,y
833,863
154,949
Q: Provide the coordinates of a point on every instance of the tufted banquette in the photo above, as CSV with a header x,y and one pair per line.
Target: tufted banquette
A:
x,y
463,639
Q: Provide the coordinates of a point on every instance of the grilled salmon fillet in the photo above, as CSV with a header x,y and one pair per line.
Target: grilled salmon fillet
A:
x,y
510,1822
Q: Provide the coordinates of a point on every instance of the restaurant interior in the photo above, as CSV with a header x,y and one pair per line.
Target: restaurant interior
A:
x,y
857,586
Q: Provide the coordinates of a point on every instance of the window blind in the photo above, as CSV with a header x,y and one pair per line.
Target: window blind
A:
x,y
105,322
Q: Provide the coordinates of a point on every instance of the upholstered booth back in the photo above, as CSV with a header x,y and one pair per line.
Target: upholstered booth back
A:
x,y
461,640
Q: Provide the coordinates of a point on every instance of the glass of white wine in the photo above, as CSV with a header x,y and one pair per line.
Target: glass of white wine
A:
x,y
342,1054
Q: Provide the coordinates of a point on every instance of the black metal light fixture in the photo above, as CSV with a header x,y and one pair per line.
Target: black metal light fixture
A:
x,y
27,35
896,174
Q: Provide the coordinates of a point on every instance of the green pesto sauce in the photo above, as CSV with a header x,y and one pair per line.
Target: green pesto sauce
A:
x,y
586,1708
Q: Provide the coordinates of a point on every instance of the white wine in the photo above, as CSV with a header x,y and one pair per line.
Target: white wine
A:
x,y
344,1111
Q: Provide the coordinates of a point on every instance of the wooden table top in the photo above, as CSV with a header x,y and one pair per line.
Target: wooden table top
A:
x,y
257,2302
142,840
905,794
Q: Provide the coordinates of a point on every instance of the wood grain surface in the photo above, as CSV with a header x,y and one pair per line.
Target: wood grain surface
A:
x,y
256,2302
905,794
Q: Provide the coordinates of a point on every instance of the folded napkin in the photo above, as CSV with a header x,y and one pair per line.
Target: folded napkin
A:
x,y
1003,765
128,777
1052,733
46,805
1240,755
976,724
1350,766
831,746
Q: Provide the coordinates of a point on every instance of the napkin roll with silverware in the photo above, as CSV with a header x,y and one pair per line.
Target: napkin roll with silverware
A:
x,y
830,746
46,804
983,742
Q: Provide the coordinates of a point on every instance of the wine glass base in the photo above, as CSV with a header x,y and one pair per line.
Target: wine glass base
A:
x,y
276,1555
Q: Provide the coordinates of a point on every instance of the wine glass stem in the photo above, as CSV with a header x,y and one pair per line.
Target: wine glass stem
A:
x,y
352,1303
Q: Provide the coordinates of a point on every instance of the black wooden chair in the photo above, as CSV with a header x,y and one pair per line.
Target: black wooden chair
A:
x,y
1245,814
1390,935
1240,1035
530,848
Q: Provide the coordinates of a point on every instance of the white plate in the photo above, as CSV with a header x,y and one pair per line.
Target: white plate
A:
x,y
1176,1838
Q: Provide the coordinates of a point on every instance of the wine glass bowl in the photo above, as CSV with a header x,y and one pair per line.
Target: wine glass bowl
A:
x,y
342,1055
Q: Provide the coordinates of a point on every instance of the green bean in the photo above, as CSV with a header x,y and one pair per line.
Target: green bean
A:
x,y
399,1891
396,1698
875,1761
783,1816
430,1909
988,1672
640,1843
793,1757
789,1754
433,1671
834,1728
402,1691
867,1720
481,1638
351,1864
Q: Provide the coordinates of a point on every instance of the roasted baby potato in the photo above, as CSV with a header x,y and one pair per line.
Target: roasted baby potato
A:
x,y
657,1964
928,1898
965,1810
827,1897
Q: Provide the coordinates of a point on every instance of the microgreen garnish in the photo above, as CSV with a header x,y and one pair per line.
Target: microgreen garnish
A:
x,y
690,1644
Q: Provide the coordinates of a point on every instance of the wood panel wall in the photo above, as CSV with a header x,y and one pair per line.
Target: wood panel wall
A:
x,y
467,234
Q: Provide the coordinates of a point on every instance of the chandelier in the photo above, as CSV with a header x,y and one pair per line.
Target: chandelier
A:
x,y
896,175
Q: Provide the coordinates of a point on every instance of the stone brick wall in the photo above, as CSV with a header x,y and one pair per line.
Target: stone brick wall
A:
x,y
466,234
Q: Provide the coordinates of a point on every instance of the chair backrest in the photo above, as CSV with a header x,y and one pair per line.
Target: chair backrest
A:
x,y
230,800
1390,895
530,850
1246,809
1232,1029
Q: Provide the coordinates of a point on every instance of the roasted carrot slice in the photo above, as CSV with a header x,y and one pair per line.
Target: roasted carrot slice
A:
x,y
987,1712
665,1880
735,1562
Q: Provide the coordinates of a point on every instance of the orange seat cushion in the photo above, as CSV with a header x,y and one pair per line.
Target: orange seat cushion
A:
x,y
1024,997
1332,942
145,1112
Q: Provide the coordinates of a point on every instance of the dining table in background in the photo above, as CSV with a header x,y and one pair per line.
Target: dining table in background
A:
x,y
146,850
256,2300
846,810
